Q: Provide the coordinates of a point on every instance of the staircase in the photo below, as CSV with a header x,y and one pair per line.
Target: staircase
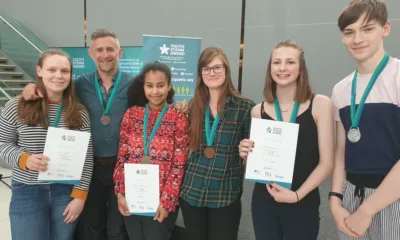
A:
x,y
12,81
19,52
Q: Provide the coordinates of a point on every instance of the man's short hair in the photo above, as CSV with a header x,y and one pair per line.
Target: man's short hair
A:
x,y
101,33
373,10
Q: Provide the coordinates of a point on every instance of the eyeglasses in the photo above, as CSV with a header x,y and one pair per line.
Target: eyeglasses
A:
x,y
216,68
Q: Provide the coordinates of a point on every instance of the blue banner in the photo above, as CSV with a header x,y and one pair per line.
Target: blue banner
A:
x,y
181,54
130,62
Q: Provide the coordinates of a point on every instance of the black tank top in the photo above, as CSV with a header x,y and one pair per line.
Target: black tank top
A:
x,y
307,158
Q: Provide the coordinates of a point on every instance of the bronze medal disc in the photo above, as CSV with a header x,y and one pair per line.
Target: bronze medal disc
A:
x,y
146,159
105,120
209,152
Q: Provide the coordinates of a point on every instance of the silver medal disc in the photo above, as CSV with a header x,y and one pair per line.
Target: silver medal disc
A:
x,y
354,135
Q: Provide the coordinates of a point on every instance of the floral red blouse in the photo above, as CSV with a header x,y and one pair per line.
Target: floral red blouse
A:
x,y
168,149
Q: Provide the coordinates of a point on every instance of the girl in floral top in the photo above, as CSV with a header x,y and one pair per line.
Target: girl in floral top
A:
x,y
152,89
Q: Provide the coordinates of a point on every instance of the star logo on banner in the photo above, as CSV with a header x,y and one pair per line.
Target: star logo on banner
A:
x,y
164,49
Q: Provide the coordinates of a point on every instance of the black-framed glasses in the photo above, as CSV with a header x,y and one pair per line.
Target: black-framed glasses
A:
x,y
219,68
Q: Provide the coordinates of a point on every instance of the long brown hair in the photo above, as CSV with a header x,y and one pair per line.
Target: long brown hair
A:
x,y
303,91
202,96
35,112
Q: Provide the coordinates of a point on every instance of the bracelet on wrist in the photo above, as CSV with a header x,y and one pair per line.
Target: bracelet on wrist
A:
x,y
335,194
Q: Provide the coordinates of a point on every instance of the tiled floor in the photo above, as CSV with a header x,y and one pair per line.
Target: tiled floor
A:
x,y
5,195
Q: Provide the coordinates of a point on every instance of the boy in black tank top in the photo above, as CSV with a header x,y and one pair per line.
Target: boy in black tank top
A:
x,y
291,214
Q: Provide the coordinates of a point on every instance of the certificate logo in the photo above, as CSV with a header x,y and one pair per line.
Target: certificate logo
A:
x,y
278,177
274,130
141,172
68,138
277,131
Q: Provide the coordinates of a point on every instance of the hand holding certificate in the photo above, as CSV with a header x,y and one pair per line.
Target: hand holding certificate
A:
x,y
142,188
67,151
274,152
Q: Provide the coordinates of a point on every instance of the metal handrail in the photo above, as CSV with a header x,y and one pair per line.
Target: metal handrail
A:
x,y
11,26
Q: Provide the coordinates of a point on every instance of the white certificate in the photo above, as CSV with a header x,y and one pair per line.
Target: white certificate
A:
x,y
67,151
274,152
142,188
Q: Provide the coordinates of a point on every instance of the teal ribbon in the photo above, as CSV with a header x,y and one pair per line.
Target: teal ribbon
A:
x,y
210,135
58,116
146,142
356,114
106,111
295,111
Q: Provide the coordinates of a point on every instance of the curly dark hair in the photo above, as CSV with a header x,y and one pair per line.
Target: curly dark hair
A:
x,y
136,95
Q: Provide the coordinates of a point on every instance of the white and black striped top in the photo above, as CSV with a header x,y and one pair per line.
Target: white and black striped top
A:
x,y
17,138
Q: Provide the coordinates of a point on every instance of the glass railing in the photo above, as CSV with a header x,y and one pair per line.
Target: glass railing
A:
x,y
5,95
19,44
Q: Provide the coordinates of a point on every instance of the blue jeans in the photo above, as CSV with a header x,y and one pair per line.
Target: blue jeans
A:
x,y
36,212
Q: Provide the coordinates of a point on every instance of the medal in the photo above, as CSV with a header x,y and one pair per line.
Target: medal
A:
x,y
146,142
209,152
278,113
145,159
354,134
105,119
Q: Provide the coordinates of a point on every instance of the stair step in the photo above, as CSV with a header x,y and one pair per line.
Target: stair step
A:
x,y
22,81
7,66
3,60
14,74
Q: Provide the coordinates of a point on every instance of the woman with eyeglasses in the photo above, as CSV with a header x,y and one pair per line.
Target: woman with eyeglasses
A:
x,y
213,180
